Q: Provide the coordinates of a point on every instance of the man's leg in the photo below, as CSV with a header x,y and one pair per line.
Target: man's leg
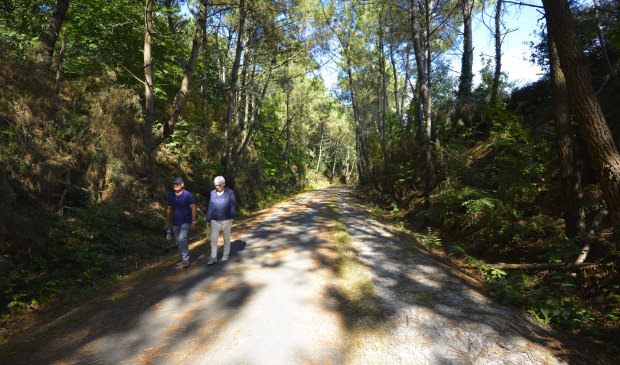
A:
x,y
180,232
215,232
226,227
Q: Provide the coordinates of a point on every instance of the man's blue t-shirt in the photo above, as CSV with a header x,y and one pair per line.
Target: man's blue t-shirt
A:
x,y
181,212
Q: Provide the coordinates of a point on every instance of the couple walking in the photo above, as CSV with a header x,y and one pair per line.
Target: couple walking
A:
x,y
182,211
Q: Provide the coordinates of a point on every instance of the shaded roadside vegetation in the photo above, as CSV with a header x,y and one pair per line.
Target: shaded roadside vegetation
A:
x,y
498,201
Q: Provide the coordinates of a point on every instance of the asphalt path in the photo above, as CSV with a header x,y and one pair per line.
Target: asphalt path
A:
x,y
274,302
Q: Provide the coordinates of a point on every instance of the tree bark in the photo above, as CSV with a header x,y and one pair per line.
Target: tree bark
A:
x,y
467,60
498,52
50,35
394,71
204,91
574,216
148,69
318,163
539,266
179,100
428,112
592,123
288,129
61,56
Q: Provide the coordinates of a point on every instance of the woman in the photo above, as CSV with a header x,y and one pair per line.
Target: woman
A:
x,y
221,214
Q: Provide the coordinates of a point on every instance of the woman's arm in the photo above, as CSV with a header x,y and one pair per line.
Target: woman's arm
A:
x,y
232,205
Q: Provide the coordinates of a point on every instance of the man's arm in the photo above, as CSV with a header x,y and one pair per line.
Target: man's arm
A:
x,y
168,217
210,209
193,207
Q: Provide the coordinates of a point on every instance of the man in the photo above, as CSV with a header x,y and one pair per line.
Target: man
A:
x,y
182,210
221,215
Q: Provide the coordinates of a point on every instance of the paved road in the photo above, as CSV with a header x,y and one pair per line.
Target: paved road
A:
x,y
274,303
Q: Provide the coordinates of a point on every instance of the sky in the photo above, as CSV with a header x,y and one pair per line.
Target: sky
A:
x,y
521,21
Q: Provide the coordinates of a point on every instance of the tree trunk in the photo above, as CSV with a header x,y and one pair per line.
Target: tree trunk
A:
x,y
419,51
204,91
384,107
394,70
243,95
404,92
574,216
331,178
288,129
61,56
428,112
256,111
318,163
179,100
467,60
233,83
592,123
498,52
148,69
359,130
50,35
419,115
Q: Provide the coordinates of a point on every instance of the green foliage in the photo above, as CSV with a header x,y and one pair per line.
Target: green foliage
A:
x,y
85,251
429,240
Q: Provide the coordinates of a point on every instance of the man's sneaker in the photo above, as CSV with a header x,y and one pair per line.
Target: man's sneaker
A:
x,y
212,261
185,264
179,263
224,258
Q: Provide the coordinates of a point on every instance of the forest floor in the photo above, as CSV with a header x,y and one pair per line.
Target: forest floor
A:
x,y
297,291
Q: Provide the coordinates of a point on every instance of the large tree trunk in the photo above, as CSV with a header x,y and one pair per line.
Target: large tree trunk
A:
x,y
50,35
574,216
592,123
179,100
233,83
498,52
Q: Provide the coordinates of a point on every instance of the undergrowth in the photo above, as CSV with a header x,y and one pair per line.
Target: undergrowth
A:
x,y
92,247
501,205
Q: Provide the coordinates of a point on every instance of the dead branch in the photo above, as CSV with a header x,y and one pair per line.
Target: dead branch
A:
x,y
538,266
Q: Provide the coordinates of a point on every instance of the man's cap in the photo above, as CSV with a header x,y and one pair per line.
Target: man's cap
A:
x,y
177,180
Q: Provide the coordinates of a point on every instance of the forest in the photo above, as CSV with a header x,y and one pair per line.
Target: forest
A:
x,y
103,102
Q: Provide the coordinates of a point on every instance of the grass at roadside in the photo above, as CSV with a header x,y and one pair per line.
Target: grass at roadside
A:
x,y
353,288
